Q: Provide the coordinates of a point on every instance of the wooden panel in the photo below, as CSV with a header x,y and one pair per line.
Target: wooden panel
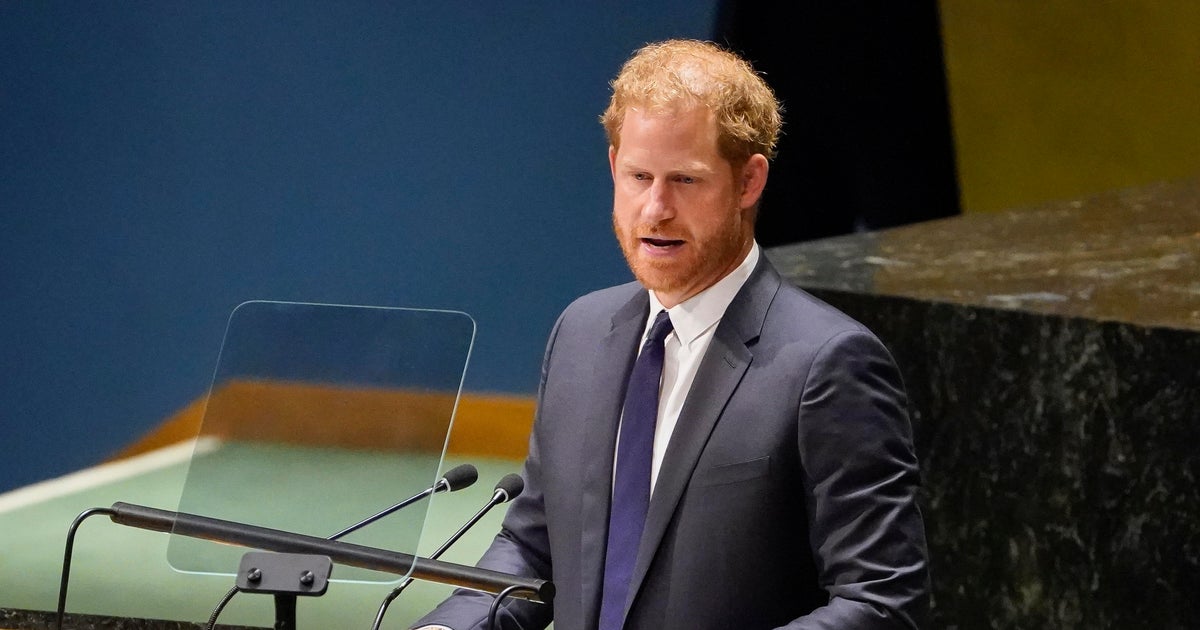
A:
x,y
485,424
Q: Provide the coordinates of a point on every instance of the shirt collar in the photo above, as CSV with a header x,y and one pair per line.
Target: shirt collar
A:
x,y
693,317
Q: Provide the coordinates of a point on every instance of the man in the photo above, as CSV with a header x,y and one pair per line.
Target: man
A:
x,y
778,487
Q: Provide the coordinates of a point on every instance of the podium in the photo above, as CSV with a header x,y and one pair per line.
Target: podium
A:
x,y
18,619
1050,356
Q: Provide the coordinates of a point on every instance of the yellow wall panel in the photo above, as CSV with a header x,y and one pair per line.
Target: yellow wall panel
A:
x,y
1056,100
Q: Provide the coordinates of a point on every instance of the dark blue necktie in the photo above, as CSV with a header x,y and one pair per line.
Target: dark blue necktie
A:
x,y
631,481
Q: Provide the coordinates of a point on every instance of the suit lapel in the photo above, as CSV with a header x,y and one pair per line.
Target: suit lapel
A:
x,y
612,363
721,370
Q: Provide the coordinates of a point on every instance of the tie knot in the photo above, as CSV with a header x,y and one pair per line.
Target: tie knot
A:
x,y
661,328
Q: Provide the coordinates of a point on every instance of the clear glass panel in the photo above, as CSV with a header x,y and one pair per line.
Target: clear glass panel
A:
x,y
320,416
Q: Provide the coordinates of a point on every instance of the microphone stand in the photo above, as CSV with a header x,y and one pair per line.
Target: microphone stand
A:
x,y
266,539
457,478
506,490
494,610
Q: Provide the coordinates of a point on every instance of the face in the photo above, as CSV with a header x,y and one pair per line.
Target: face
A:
x,y
683,215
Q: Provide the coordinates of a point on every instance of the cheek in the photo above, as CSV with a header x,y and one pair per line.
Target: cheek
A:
x,y
626,206
623,219
621,197
716,217
621,212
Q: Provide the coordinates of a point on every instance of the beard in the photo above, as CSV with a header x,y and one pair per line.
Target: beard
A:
x,y
705,258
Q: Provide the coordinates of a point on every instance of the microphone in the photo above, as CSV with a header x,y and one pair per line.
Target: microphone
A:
x,y
507,489
459,477
456,478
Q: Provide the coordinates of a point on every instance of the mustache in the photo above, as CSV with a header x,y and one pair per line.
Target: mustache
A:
x,y
659,231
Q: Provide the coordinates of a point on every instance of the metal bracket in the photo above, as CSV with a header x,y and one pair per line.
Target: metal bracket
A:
x,y
284,573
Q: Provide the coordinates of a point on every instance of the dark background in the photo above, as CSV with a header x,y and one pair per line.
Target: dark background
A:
x,y
867,142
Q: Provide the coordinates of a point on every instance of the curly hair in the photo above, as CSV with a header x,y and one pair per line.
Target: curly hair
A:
x,y
683,73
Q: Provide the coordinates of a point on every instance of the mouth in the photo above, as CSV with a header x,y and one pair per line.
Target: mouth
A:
x,y
660,243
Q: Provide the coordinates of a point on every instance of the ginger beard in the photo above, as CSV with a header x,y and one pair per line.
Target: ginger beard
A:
x,y
701,259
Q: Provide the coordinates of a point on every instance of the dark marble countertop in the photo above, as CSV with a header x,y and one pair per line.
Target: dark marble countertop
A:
x,y
18,619
1129,256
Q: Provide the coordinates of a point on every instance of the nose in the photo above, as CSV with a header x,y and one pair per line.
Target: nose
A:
x,y
660,205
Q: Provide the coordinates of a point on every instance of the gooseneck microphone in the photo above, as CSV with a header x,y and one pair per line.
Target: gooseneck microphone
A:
x,y
459,477
456,478
507,489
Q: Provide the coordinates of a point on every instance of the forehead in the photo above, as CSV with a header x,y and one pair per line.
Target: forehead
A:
x,y
689,133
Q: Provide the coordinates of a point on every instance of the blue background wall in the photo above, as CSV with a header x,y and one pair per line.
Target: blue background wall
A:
x,y
162,162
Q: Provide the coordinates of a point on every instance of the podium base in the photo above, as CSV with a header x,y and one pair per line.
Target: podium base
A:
x,y
18,619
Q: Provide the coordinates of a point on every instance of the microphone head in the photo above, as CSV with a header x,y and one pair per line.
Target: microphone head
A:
x,y
511,485
460,477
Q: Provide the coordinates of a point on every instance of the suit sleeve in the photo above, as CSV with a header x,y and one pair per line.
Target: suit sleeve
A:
x,y
521,548
860,487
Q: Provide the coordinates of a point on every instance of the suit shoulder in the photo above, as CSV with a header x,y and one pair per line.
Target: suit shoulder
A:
x,y
603,303
590,317
813,313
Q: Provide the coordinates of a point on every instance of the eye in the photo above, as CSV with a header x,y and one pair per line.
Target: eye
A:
x,y
685,179
641,177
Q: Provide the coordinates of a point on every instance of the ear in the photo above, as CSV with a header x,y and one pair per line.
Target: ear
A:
x,y
753,179
612,161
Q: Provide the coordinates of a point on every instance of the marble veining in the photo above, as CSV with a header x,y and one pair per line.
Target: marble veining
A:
x,y
1052,361
1130,255
43,620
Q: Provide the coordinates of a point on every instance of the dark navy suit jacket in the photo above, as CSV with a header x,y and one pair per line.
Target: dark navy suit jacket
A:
x,y
786,497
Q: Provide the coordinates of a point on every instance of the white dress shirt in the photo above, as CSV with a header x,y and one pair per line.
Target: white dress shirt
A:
x,y
695,322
